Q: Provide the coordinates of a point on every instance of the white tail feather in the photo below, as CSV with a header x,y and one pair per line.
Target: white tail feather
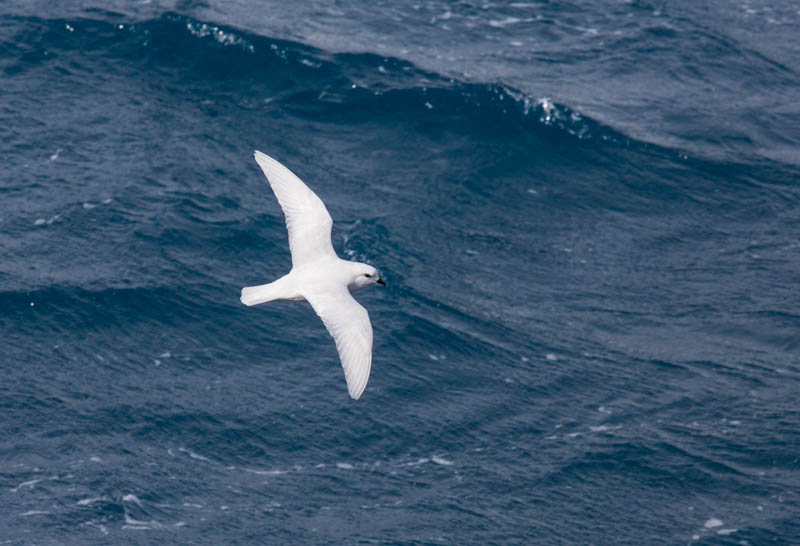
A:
x,y
253,295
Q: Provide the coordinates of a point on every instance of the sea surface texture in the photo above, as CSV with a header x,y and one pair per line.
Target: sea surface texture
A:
x,y
587,214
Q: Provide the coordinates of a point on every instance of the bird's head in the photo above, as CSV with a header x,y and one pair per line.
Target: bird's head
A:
x,y
366,275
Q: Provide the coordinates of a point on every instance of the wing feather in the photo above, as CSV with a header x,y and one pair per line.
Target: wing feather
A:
x,y
348,323
307,219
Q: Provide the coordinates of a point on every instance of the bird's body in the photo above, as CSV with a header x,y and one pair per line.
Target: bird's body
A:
x,y
318,275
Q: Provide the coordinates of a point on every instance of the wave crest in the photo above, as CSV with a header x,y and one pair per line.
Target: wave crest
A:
x,y
308,82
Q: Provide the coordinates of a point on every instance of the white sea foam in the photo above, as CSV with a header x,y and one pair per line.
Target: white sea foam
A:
x,y
266,472
441,460
203,30
139,525
102,528
192,454
418,462
500,23
29,483
712,522
49,221
87,502
605,428
34,513
548,108
344,466
130,497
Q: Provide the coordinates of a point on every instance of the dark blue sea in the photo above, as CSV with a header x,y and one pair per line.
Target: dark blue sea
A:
x,y
587,214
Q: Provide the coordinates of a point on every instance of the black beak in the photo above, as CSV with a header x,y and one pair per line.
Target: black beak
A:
x,y
381,282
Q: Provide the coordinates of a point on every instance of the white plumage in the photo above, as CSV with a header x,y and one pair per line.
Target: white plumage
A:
x,y
318,275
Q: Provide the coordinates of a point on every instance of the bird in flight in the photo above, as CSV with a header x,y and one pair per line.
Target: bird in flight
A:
x,y
318,275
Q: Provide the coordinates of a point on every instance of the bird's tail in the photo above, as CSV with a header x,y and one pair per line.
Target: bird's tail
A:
x,y
253,295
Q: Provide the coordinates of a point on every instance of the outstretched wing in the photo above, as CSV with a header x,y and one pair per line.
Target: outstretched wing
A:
x,y
307,219
349,325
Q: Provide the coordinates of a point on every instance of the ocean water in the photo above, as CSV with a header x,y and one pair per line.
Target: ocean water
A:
x,y
587,213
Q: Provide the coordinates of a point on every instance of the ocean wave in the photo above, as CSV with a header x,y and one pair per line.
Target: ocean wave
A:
x,y
301,79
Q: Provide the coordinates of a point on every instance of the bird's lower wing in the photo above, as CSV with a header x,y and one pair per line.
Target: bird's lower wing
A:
x,y
348,323
307,219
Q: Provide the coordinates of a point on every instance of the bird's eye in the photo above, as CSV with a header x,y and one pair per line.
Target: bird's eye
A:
x,y
367,275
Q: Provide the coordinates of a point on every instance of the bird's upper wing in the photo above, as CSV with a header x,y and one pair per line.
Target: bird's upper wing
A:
x,y
348,323
307,219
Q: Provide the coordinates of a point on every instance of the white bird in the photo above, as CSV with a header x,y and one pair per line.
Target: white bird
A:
x,y
318,275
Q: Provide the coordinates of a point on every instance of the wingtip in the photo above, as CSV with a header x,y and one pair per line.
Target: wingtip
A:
x,y
263,159
355,391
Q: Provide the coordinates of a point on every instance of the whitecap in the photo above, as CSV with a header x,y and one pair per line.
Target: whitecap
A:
x,y
29,483
130,497
203,30
138,525
192,454
500,23
266,472
419,461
